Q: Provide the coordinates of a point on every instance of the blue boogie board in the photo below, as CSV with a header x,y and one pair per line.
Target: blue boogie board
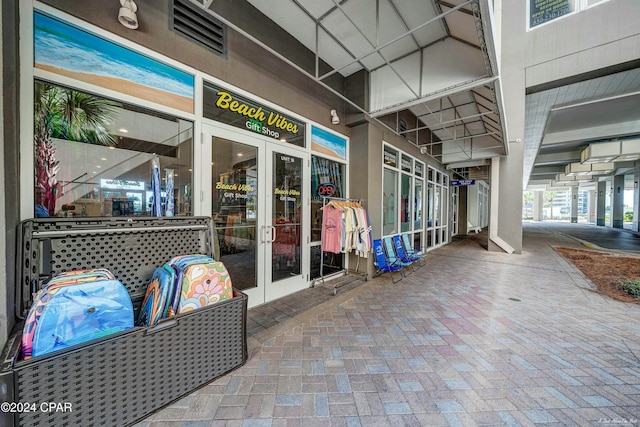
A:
x,y
73,310
159,299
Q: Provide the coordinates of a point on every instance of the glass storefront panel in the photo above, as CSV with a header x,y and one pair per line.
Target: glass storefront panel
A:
x,y
417,209
430,204
327,180
234,211
107,158
389,201
436,206
405,203
286,219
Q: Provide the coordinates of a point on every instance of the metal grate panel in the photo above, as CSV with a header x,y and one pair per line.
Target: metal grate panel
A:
x,y
198,26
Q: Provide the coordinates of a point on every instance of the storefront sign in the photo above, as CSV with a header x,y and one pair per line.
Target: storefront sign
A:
x,y
234,191
390,159
462,182
227,107
326,190
406,164
541,11
121,184
287,195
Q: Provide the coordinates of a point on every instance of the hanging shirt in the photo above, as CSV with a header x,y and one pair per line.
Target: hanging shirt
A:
x,y
333,230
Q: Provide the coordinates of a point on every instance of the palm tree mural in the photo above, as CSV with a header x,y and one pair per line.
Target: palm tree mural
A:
x,y
65,114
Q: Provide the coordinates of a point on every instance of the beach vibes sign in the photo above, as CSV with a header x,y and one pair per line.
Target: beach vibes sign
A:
x,y
66,50
233,109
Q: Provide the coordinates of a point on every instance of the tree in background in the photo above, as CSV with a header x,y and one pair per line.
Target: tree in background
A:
x,y
65,114
548,201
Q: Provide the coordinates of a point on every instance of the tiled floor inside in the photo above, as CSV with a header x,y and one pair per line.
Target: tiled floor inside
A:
x,y
473,338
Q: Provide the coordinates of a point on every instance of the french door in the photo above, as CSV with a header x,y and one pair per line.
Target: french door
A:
x,y
260,211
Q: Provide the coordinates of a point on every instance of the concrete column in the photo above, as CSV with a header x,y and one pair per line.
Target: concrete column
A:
x,y
635,226
574,204
592,206
617,202
600,202
538,203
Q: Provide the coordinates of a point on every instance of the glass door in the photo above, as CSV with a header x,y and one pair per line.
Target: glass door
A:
x,y
287,206
260,213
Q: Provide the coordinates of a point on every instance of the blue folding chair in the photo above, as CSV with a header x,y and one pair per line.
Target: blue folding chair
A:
x,y
418,256
393,256
403,254
382,263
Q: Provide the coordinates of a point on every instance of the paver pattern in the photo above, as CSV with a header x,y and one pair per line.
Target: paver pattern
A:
x,y
474,338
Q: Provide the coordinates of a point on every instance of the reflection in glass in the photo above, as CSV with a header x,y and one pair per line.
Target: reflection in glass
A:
x,y
417,223
234,199
389,200
436,207
327,180
405,203
430,205
97,161
287,202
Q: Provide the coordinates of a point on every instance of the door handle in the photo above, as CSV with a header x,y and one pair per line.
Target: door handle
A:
x,y
263,238
273,234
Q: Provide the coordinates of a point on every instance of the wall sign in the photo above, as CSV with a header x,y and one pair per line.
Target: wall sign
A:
x,y
461,182
225,106
541,11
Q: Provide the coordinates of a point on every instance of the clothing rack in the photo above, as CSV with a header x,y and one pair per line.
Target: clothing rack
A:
x,y
363,229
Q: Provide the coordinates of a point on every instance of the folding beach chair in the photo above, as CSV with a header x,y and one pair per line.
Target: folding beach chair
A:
x,y
419,256
392,254
382,263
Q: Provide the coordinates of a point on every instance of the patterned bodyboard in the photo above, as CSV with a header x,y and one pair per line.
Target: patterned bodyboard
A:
x,y
204,284
159,296
73,310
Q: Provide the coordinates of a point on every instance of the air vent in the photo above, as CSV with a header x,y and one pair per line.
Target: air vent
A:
x,y
198,26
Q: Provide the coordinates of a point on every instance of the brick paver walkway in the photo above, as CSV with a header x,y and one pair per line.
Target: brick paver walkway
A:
x,y
473,338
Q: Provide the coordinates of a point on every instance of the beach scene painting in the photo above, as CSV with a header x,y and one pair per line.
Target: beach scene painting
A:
x,y
66,50
327,143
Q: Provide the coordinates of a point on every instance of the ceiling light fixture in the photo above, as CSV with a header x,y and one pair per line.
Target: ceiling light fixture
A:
x,y
127,14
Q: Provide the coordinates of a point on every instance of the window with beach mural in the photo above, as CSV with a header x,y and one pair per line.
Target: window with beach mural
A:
x,y
65,50
328,144
96,157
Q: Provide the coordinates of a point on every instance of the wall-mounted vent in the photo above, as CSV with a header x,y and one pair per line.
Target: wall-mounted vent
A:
x,y
402,129
198,26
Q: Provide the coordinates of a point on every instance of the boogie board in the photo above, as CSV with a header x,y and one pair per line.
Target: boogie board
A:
x,y
159,296
73,309
204,284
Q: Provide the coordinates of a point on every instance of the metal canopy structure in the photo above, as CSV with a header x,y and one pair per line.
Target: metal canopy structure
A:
x,y
431,60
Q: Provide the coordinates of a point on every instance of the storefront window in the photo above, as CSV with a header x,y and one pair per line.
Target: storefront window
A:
x,y
417,209
234,212
405,203
389,201
97,157
327,180
390,157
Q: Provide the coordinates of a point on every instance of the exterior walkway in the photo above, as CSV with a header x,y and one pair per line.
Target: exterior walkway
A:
x,y
473,338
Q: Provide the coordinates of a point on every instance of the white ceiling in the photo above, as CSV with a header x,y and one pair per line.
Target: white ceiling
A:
x,y
561,121
426,56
